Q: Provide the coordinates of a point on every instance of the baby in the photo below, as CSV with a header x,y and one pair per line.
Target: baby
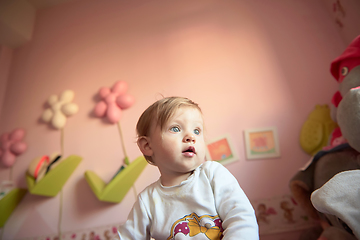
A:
x,y
193,198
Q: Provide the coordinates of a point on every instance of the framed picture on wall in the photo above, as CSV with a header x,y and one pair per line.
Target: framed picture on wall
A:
x,y
262,143
221,150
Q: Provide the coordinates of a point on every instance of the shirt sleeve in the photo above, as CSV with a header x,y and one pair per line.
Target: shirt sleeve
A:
x,y
234,208
137,226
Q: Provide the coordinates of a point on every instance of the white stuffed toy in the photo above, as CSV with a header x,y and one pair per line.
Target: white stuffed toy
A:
x,y
339,200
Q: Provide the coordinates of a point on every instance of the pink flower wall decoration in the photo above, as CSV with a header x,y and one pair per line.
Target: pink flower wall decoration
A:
x,y
11,145
113,101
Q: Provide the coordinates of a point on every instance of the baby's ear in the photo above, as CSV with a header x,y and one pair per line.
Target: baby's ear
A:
x,y
144,146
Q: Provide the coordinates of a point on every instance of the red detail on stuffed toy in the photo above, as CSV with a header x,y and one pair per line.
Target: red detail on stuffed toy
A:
x,y
336,99
336,134
350,55
336,139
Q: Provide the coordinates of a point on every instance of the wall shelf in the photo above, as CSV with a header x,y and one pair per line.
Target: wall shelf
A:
x,y
9,202
118,187
55,179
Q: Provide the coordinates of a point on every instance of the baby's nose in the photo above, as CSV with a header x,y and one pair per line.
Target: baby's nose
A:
x,y
189,138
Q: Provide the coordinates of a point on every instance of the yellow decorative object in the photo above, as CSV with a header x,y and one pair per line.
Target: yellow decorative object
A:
x,y
9,202
54,180
118,187
316,130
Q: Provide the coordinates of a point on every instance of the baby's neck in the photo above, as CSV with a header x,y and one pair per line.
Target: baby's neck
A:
x,y
174,180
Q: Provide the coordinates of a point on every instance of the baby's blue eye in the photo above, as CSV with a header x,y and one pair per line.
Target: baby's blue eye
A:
x,y
175,129
197,131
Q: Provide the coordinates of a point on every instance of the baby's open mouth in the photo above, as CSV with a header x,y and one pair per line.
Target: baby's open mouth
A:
x,y
190,150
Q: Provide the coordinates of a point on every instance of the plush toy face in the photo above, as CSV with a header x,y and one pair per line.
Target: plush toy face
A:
x,y
352,77
346,110
349,59
345,68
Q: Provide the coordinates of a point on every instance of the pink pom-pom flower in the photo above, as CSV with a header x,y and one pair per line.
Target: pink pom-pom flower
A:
x,y
12,145
113,101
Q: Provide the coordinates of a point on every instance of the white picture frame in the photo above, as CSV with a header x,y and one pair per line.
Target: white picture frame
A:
x,y
262,143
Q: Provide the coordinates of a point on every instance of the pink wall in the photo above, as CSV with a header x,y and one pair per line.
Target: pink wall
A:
x,y
345,15
249,64
5,64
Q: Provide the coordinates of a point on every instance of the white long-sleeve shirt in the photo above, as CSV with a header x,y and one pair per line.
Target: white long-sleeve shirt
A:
x,y
208,205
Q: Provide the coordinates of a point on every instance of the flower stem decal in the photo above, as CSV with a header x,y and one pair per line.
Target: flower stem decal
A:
x,y
113,101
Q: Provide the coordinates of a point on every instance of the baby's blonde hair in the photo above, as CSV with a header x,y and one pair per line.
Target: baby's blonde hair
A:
x,y
159,113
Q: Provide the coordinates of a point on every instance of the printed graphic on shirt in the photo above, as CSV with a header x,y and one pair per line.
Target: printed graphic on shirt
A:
x,y
193,226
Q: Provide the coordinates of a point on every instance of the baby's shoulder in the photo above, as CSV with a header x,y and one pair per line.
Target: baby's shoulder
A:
x,y
211,166
215,170
149,190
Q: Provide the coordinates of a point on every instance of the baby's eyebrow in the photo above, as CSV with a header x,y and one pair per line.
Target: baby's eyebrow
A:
x,y
199,123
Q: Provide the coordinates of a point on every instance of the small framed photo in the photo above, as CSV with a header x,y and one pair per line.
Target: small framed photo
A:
x,y
221,150
262,143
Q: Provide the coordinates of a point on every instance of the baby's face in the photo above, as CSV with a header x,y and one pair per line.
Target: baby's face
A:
x,y
179,147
